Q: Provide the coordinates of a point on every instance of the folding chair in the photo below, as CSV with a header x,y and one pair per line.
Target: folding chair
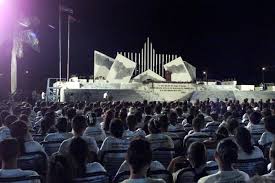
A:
x,y
95,177
161,174
121,177
257,166
38,137
51,147
31,179
112,160
163,155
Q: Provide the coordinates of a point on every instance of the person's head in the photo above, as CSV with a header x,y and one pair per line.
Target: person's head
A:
x,y
214,116
226,153
91,119
79,124
116,128
221,133
243,138
131,122
255,117
109,115
9,120
270,124
3,115
59,170
138,115
179,111
232,124
154,126
61,125
173,117
139,156
158,108
9,151
71,113
197,124
79,152
148,110
123,114
196,154
19,130
164,123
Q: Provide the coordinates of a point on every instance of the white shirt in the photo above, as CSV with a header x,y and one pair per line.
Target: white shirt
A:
x,y
127,134
143,180
267,137
9,173
33,146
160,140
255,128
58,136
94,167
4,133
234,176
112,143
95,132
155,165
256,153
64,147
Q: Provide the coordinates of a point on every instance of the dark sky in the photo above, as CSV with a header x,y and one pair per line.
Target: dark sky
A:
x,y
230,39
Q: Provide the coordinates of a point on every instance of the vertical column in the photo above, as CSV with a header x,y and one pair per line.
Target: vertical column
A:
x,y
162,63
145,57
136,61
148,54
128,55
153,61
159,64
151,56
169,58
156,61
141,60
125,54
139,63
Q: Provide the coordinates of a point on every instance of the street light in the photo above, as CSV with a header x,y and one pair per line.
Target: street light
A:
x,y
263,72
206,76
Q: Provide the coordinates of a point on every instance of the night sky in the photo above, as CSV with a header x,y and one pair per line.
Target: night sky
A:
x,y
229,39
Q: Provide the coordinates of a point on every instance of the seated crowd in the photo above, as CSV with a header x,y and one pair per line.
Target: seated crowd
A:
x,y
132,142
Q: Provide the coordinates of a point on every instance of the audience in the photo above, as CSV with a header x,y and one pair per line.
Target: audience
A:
x,y
271,175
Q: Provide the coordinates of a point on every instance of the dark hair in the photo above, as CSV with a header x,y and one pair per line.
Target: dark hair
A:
x,y
91,119
148,110
255,117
19,131
79,151
116,128
173,117
163,121
139,154
3,115
197,123
9,120
60,169
227,150
270,124
231,125
79,124
61,124
214,116
158,108
138,115
221,133
243,138
71,113
109,115
154,126
131,121
9,149
197,154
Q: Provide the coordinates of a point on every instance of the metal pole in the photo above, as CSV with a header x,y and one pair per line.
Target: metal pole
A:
x,y
59,40
68,51
263,76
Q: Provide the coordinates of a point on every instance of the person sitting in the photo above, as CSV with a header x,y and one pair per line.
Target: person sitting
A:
x,y
164,126
132,132
232,124
78,126
246,149
93,129
59,170
254,126
194,166
156,138
213,125
175,121
271,175
115,141
79,152
61,133
4,130
108,116
139,157
226,154
9,151
19,130
269,135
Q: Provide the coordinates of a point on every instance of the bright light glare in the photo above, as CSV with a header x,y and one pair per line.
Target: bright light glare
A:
x,y
2,2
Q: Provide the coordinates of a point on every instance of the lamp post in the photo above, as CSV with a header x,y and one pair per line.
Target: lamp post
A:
x,y
206,76
263,74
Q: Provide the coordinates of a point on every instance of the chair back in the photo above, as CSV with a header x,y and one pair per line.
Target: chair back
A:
x,y
163,155
257,166
199,138
161,174
38,137
121,177
181,133
21,179
36,161
189,175
95,177
51,147
112,160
